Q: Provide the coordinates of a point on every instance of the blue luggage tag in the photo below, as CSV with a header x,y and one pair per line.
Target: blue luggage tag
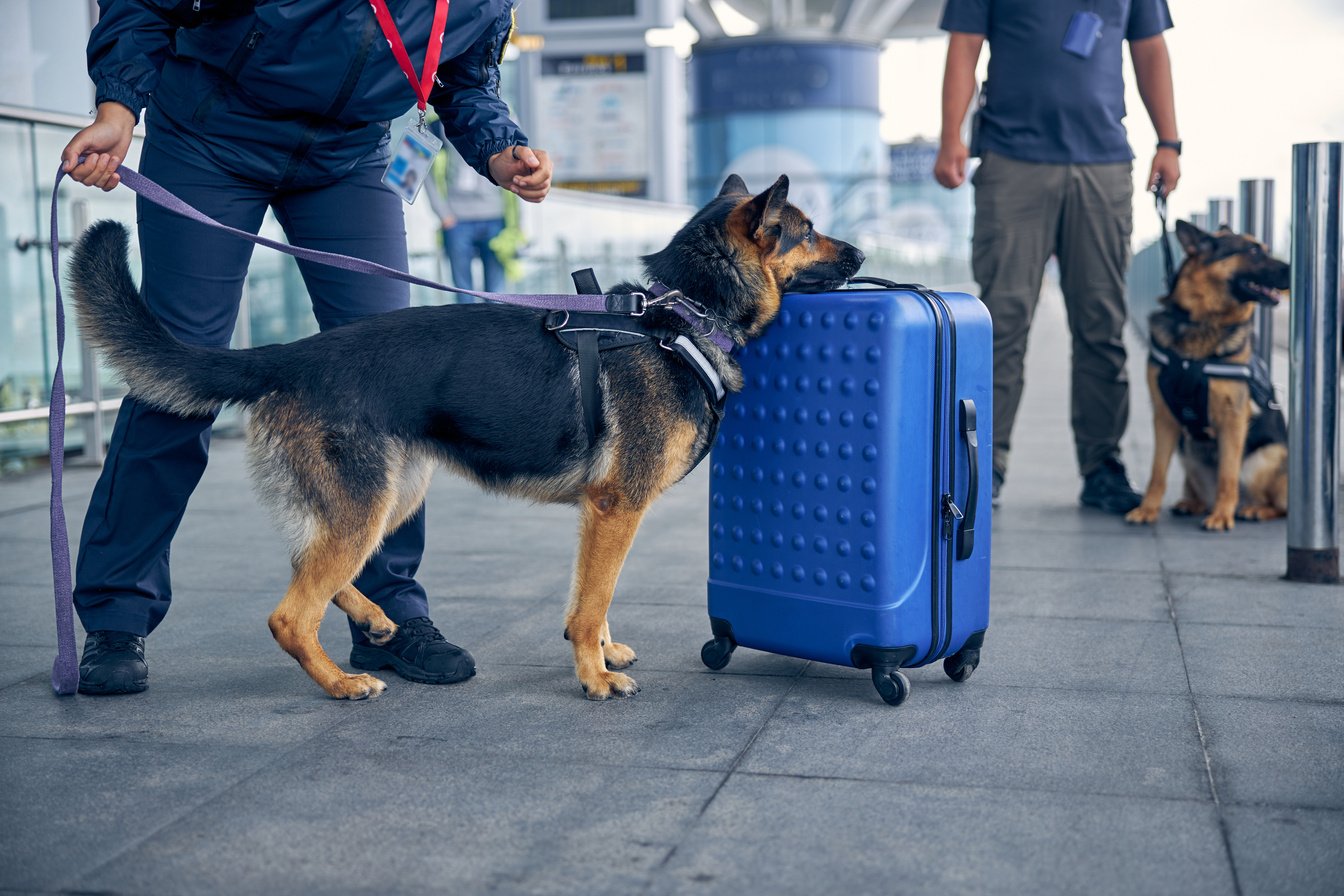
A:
x,y
409,167
1083,32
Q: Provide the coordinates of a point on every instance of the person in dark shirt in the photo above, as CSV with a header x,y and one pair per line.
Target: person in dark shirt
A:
x,y
1055,177
280,104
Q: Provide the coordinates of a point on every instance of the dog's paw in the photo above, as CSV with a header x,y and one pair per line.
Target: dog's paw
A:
x,y
610,684
1188,507
379,634
1220,521
1144,514
356,687
1259,512
618,656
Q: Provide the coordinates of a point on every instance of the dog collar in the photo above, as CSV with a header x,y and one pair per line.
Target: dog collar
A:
x,y
701,320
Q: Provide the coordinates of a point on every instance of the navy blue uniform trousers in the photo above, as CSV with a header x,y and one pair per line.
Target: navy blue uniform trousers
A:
x,y
193,280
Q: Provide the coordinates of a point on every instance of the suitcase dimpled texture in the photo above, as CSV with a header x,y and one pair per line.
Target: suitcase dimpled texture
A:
x,y
850,486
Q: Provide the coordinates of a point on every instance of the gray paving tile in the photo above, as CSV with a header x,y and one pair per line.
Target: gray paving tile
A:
x,y
665,638
1097,553
1275,752
21,663
1079,594
539,713
1287,851
789,836
1263,661
70,805
1203,598
1107,655
1256,551
950,734
388,815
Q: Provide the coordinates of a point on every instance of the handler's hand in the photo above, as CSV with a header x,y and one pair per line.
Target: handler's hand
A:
x,y
103,144
1167,166
949,169
522,170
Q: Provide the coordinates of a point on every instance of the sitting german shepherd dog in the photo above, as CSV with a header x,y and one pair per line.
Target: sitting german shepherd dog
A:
x,y
347,426
1210,394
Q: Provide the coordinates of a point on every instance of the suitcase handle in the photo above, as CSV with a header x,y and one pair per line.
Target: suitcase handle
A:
x,y
966,532
888,284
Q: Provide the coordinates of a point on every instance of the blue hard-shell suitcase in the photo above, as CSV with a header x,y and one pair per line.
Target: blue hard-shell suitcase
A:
x,y
850,486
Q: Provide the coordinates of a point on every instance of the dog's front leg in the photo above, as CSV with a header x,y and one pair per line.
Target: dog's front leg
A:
x,y
606,530
1229,411
1166,436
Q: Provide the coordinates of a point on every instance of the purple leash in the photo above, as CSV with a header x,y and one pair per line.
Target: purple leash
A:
x,y
65,669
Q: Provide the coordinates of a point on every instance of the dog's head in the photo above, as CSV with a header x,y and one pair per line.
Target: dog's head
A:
x,y
1226,273
741,252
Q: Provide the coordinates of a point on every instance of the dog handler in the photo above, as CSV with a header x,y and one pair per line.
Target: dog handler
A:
x,y
1055,177
281,105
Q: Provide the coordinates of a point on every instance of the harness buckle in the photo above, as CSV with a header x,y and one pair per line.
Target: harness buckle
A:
x,y
554,322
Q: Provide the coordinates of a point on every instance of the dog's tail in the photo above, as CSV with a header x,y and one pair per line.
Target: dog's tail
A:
x,y
157,367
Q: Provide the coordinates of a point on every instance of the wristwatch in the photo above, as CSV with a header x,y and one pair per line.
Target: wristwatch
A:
x,y
1170,144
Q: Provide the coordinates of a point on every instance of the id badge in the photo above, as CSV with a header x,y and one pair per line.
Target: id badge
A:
x,y
410,163
1082,35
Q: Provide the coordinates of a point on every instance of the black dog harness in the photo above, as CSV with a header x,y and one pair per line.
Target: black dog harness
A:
x,y
591,333
1184,384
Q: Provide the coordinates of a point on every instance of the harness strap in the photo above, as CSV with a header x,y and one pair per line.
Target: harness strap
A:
x,y
1161,202
590,389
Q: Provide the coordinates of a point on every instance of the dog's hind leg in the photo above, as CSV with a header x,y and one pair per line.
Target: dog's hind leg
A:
x,y
367,616
1264,475
606,531
342,541
411,481
1190,504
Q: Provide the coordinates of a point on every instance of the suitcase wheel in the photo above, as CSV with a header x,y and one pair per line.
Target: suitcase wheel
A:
x,y
891,684
716,652
959,666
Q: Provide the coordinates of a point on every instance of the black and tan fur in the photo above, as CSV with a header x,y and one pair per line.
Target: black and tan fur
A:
x,y
347,426
1208,315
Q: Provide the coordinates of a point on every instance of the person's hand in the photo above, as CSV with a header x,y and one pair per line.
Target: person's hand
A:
x,y
522,170
949,169
1167,166
448,222
103,144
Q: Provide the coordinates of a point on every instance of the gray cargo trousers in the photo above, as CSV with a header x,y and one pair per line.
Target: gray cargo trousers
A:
x,y
1024,213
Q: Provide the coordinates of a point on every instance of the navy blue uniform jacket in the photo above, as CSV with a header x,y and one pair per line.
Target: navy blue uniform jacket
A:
x,y
298,91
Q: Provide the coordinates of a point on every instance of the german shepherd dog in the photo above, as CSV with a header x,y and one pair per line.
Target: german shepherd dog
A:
x,y
346,427
1233,449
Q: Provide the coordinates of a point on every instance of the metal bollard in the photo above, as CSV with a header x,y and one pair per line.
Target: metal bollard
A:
x,y
1257,220
1220,213
94,430
1313,381
1201,220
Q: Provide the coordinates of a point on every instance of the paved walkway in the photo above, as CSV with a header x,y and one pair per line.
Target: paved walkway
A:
x,y
1156,712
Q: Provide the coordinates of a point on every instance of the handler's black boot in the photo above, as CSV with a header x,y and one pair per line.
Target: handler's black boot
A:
x,y
1108,488
417,652
113,663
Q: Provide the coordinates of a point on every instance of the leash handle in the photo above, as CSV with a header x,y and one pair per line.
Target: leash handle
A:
x,y
65,668
1160,203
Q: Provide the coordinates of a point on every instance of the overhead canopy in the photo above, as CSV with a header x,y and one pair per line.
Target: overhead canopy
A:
x,y
869,21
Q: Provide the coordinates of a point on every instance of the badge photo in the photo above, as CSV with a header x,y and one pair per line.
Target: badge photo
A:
x,y
410,163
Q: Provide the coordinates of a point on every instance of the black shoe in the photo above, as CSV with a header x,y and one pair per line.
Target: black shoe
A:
x,y
998,485
417,652
113,663
1108,488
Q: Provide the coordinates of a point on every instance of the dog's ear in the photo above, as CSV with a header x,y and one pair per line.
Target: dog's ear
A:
x,y
1192,239
734,186
766,208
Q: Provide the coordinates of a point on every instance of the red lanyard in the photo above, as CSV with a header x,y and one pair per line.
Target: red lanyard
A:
x,y
389,27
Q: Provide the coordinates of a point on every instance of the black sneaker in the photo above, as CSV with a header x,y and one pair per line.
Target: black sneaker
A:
x,y
417,652
1108,488
997,487
113,663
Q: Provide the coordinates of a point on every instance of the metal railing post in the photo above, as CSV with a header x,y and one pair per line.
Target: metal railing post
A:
x,y
88,361
1314,349
1257,220
1220,213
